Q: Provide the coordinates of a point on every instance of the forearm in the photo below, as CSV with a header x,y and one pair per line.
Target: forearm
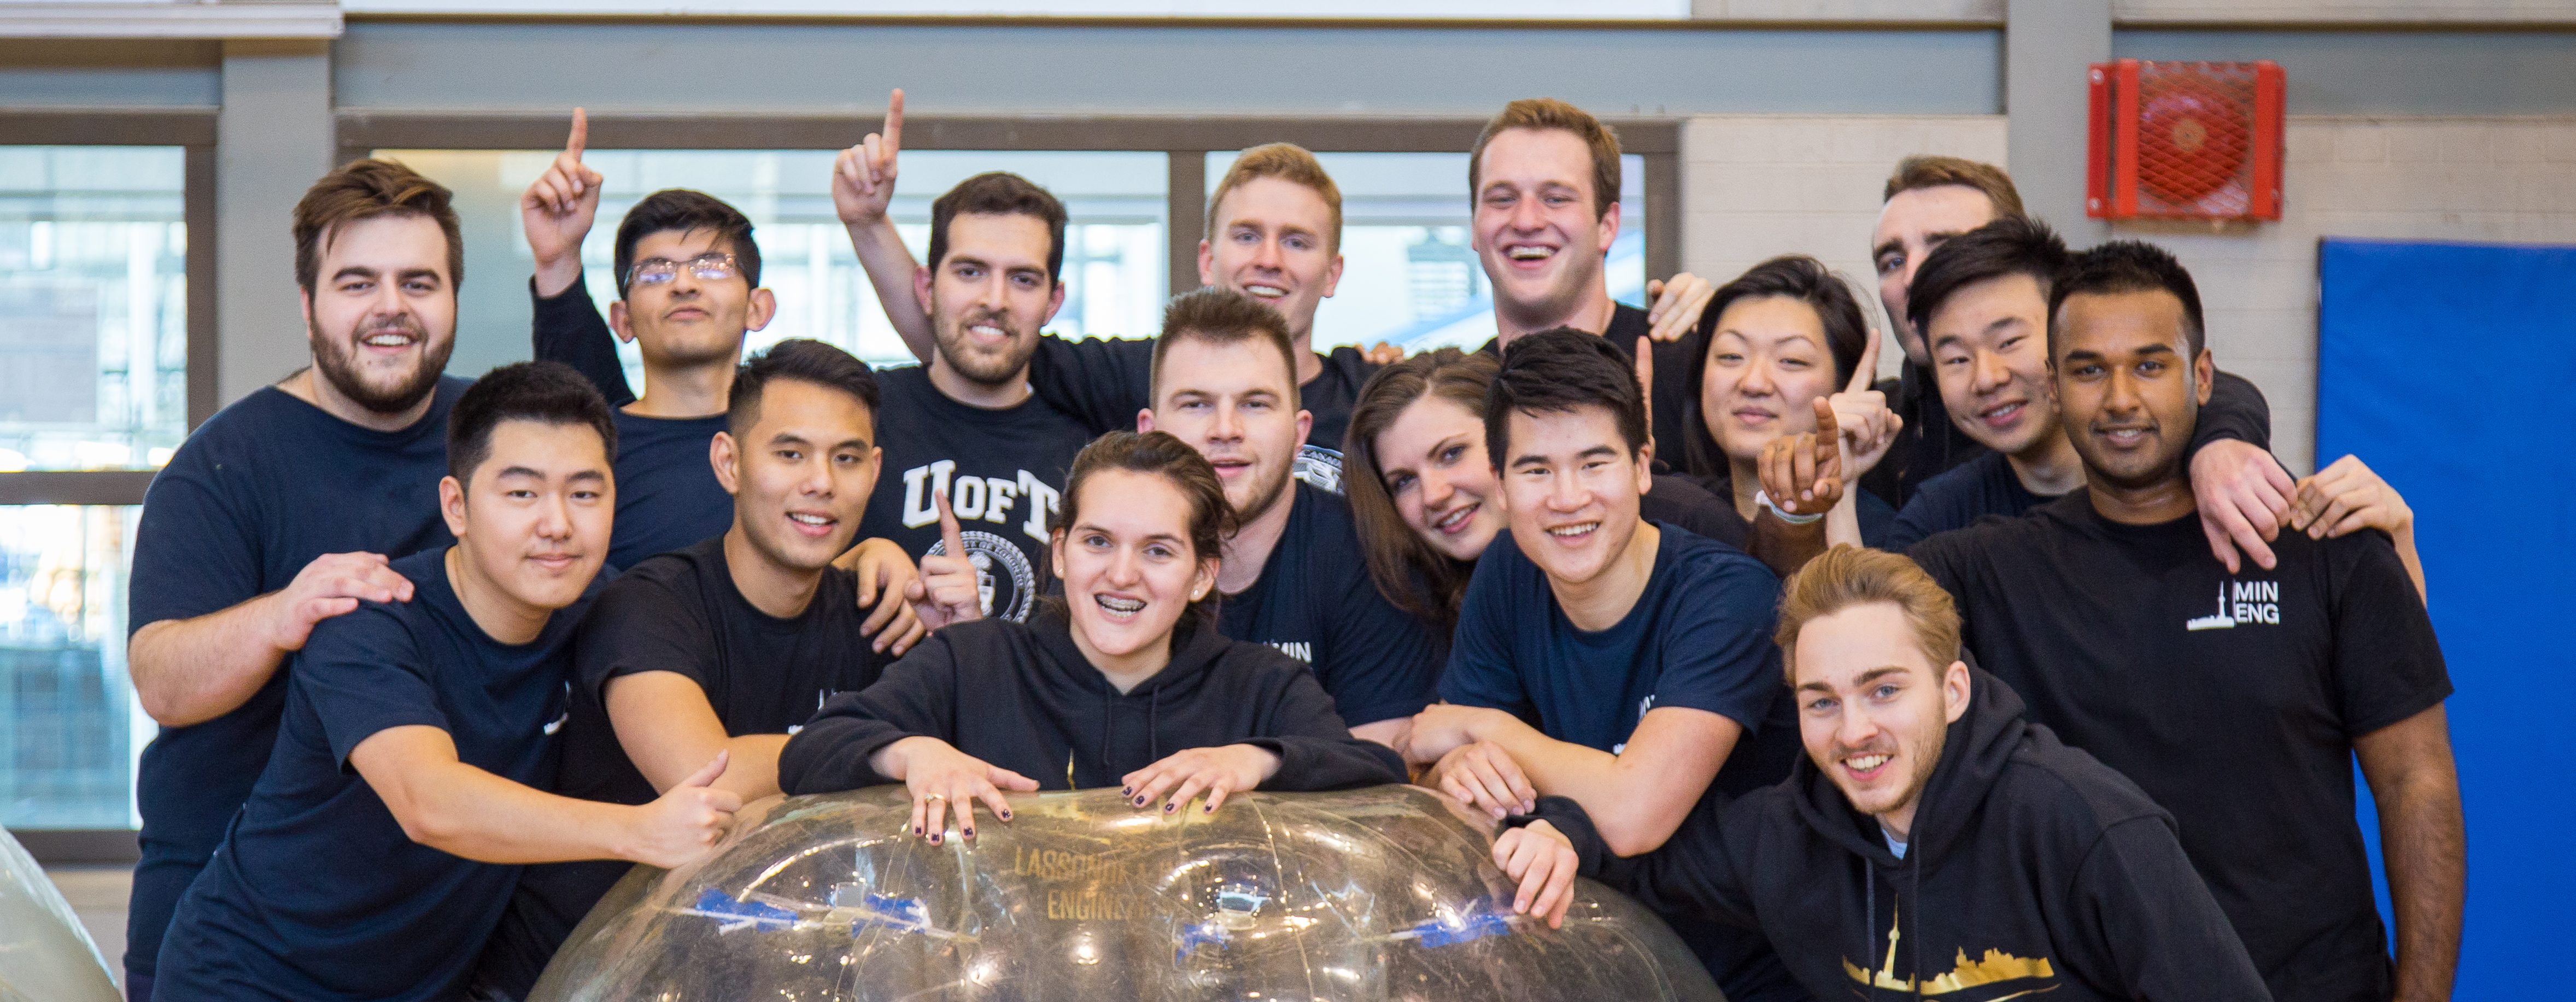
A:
x,y
189,671
1632,807
464,811
558,274
833,754
1784,547
2237,410
2425,844
751,771
890,268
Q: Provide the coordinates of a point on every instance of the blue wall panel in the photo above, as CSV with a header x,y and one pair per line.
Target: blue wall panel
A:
x,y
2448,368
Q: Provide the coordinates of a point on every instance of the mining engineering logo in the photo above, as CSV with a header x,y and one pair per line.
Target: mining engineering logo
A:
x,y
2254,602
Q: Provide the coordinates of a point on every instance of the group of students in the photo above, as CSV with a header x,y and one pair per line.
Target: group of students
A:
x,y
436,660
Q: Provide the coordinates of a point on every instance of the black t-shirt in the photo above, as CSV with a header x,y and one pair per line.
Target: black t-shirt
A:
x,y
667,494
1003,471
257,492
317,892
1315,602
1103,382
1977,488
2233,700
678,612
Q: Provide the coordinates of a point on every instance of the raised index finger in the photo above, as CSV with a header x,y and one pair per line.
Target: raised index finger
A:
x,y
579,140
1865,372
1828,430
894,123
949,534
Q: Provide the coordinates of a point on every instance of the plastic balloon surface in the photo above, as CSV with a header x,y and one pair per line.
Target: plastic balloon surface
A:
x,y
1388,893
45,955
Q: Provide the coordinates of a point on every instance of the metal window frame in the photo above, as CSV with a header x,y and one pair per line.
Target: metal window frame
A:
x,y
193,130
1185,140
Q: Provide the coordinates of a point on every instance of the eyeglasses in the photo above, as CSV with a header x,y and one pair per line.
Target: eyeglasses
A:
x,y
713,266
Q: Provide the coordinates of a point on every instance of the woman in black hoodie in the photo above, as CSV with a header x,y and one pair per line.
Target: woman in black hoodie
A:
x,y
1125,680
1932,841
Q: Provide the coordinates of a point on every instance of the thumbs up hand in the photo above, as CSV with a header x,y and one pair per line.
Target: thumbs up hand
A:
x,y
948,590
558,209
684,825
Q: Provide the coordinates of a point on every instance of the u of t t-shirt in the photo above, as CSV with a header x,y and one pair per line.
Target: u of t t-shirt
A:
x,y
1698,637
1003,470
1315,602
2232,699
1103,382
256,493
681,613
667,493
316,891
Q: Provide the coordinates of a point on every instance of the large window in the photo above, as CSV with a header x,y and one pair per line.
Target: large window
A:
x,y
71,724
96,310
93,306
1408,274
1115,241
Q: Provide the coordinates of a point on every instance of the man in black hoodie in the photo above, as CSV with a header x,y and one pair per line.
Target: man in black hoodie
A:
x,y
1933,842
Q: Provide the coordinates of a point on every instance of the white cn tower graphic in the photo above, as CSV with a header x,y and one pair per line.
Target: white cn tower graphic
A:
x,y
2219,620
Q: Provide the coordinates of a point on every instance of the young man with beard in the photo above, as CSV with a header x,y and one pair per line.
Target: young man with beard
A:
x,y
1293,575
2245,495
380,844
283,511
1274,232
1619,662
2244,720
727,645
966,426
1932,841
1981,301
688,282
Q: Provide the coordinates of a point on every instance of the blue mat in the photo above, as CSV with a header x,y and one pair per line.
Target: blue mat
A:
x,y
2450,368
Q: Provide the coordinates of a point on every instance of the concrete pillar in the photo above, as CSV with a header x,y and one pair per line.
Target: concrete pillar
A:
x,y
273,138
2047,45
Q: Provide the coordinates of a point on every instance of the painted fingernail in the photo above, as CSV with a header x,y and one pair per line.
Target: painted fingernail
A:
x,y
1140,801
1006,814
1127,791
916,831
934,838
1167,808
969,833
1209,809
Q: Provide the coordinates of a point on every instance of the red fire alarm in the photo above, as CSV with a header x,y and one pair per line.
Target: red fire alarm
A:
x,y
2184,141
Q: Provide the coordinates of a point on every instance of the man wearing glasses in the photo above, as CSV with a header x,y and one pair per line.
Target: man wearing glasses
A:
x,y
688,282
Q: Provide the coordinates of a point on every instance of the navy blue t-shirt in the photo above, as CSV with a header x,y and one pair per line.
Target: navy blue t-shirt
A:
x,y
1970,491
256,493
667,494
1699,637
1316,602
316,892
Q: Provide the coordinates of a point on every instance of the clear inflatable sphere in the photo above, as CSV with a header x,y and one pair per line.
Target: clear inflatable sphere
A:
x,y
45,955
1381,894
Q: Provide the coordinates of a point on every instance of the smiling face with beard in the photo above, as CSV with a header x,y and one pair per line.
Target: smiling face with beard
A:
x,y
988,296
381,316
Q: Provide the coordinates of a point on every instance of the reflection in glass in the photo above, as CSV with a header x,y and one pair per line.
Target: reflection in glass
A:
x,y
69,724
1409,275
93,306
1387,893
1114,262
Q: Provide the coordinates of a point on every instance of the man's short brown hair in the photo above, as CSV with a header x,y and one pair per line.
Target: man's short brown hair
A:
x,y
366,189
1222,316
1847,576
1000,193
1549,113
1918,172
1288,162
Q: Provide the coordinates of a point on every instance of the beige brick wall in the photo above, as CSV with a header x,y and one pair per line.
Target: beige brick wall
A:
x,y
1755,186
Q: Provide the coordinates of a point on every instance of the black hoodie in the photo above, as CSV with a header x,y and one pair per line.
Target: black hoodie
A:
x,y
1021,696
2032,869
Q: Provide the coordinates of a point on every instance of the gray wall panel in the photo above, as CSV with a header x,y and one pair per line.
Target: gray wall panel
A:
x,y
36,73
972,69
2378,72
